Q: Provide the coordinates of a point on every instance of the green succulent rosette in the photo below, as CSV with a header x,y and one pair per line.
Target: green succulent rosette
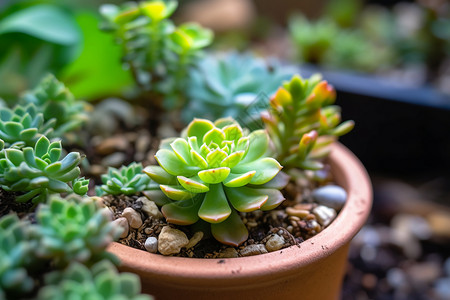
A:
x,y
127,180
213,172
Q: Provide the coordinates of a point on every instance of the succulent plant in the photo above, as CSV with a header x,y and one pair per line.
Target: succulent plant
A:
x,y
157,52
23,125
73,229
303,123
233,85
16,252
213,172
56,102
127,180
39,171
101,281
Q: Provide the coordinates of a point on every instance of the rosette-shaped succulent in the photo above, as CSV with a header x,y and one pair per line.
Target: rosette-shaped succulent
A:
x,y
23,125
303,123
16,257
56,102
38,171
101,281
233,85
127,180
73,229
215,171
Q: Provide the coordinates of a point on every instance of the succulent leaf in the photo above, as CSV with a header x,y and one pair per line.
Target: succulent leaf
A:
x,y
231,232
127,180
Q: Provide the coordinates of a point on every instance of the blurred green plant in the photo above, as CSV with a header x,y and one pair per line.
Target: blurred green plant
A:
x,y
158,53
23,125
74,229
36,39
233,85
16,258
127,180
213,172
101,281
303,122
57,103
37,172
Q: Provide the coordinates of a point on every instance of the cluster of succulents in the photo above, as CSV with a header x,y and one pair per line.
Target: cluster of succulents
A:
x,y
23,125
215,171
303,122
73,229
56,102
233,85
39,171
16,257
101,281
127,180
157,52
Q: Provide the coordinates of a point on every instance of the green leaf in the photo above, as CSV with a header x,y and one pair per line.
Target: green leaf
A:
x,y
214,135
193,184
198,160
15,156
237,180
198,128
13,129
233,132
232,160
181,148
160,176
278,182
182,212
213,176
266,169
215,206
215,157
41,146
275,198
45,22
245,199
231,231
259,141
157,196
176,192
173,165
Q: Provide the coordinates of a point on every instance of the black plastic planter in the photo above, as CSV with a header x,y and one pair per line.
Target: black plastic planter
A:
x,y
400,129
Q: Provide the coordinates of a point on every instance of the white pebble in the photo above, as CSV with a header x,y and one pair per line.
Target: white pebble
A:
x,y
149,208
133,217
275,243
331,196
151,244
122,223
253,250
197,237
170,241
324,214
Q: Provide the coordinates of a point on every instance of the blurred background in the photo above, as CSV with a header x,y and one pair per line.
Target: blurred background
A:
x,y
388,60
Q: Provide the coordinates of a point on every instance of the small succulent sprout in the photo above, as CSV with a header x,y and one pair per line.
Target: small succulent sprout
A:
x,y
215,171
235,85
101,281
16,251
73,229
80,186
38,171
23,125
127,180
57,103
190,37
303,122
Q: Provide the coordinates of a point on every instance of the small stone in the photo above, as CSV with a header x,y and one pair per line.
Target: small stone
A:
x,y
133,217
396,278
151,244
114,160
297,212
106,211
171,241
98,201
332,196
442,288
424,273
303,206
149,208
123,223
254,249
228,253
439,224
324,214
275,243
197,237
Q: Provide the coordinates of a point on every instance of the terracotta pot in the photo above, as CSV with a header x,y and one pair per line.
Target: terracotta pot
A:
x,y
312,270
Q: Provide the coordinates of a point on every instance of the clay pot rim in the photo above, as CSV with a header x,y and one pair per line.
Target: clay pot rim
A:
x,y
348,172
